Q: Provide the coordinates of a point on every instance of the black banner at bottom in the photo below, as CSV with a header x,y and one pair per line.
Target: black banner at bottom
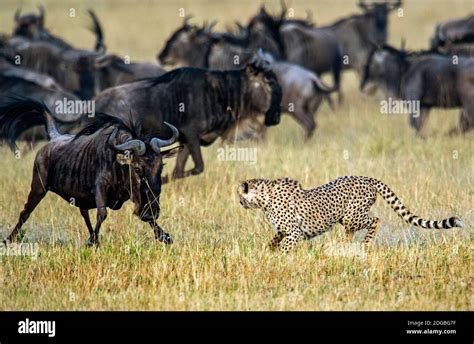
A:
x,y
408,327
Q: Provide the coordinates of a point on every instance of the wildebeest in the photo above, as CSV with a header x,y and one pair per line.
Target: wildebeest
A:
x,y
31,26
111,70
202,104
359,32
73,69
316,49
429,78
454,31
455,37
302,89
23,82
101,167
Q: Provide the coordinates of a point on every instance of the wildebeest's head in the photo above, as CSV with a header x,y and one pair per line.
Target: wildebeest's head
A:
x,y
384,69
30,24
263,32
379,11
264,93
144,160
185,42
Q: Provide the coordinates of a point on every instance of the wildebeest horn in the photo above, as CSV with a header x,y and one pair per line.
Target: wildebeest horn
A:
x,y
187,18
41,14
439,32
208,27
395,5
283,9
137,146
403,44
17,14
157,143
363,5
309,16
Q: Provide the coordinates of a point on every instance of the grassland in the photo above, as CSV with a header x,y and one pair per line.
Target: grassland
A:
x,y
219,260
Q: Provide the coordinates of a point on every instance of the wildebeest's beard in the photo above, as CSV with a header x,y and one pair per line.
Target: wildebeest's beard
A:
x,y
273,114
146,189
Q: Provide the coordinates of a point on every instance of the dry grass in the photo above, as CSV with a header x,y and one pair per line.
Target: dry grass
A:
x,y
219,260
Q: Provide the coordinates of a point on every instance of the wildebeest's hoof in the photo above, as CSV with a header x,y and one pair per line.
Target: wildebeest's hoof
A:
x,y
91,242
165,238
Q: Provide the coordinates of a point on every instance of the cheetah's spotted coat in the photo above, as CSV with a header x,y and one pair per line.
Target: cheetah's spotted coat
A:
x,y
298,214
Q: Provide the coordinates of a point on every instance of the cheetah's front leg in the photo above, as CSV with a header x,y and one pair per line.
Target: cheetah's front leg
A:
x,y
290,240
276,240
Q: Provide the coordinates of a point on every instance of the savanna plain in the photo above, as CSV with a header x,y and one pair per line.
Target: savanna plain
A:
x,y
219,259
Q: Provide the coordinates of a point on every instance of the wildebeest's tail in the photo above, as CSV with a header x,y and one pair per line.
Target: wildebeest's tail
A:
x,y
325,90
99,34
397,205
18,114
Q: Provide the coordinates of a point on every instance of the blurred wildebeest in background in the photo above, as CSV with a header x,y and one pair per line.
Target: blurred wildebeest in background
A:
x,y
73,69
316,49
359,32
431,79
31,26
111,70
455,37
23,82
302,89
202,104
111,164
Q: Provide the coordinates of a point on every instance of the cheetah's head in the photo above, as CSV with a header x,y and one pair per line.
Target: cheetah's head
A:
x,y
255,193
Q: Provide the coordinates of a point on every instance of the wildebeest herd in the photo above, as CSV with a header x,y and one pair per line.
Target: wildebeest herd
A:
x,y
229,85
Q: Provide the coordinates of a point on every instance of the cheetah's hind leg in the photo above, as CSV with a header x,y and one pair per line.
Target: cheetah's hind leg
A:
x,y
372,230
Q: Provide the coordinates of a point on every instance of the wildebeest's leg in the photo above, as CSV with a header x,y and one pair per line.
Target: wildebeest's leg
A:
x,y
101,214
466,121
87,220
305,119
418,121
194,146
181,162
37,193
160,234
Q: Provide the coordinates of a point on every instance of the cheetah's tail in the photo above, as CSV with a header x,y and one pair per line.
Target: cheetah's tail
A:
x,y
397,205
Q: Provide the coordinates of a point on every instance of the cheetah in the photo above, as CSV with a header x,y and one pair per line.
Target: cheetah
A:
x,y
296,213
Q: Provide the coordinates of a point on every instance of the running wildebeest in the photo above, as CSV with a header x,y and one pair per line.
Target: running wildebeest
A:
x,y
26,83
359,32
429,78
302,90
314,48
111,70
111,164
454,31
202,104
455,37
31,26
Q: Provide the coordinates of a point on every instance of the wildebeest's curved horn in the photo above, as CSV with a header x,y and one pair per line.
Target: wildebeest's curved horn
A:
x,y
187,18
41,14
403,44
363,5
137,146
309,16
283,10
157,143
395,5
17,14
208,27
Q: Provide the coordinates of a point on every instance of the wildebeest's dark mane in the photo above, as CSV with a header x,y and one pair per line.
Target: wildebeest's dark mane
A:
x,y
103,121
228,37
